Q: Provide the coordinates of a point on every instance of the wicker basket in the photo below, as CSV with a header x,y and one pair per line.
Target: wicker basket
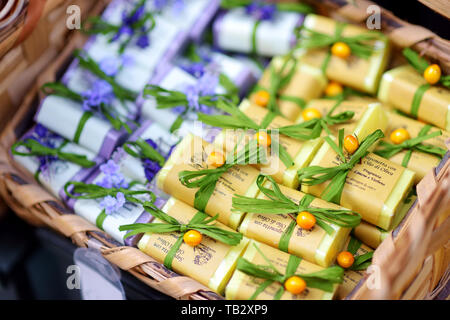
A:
x,y
413,263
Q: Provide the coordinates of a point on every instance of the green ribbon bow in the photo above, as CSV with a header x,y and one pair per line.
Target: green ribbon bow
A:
x,y
142,150
315,175
388,150
279,203
278,80
99,26
166,99
239,120
363,261
207,179
200,222
358,44
81,190
420,64
323,280
36,149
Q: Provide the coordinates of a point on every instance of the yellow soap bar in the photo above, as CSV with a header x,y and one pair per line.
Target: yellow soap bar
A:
x,y
243,286
210,263
398,88
315,245
368,116
375,188
306,83
421,163
300,151
351,278
372,235
191,154
361,74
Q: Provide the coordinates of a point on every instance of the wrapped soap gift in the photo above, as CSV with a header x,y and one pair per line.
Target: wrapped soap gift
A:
x,y
302,83
243,286
110,212
353,277
422,157
192,16
354,71
198,60
403,88
236,30
67,118
315,245
146,50
301,151
374,187
211,262
35,152
192,155
368,115
372,235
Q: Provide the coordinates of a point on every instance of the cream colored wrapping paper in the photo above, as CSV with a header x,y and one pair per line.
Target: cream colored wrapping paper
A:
x,y
191,154
361,74
398,88
210,263
314,245
242,286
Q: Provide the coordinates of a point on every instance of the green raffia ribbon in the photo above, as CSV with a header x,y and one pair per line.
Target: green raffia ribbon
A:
x,y
278,203
142,150
83,190
289,7
207,179
166,99
278,80
323,279
363,261
359,46
388,150
315,175
420,64
36,149
239,120
99,26
199,222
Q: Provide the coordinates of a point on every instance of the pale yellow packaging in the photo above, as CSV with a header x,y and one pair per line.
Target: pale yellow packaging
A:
x,y
210,263
398,87
191,154
306,83
361,74
241,286
315,245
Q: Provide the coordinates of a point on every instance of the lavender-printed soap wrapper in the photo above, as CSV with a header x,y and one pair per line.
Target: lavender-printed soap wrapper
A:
x,y
192,16
110,213
159,47
52,172
235,70
67,118
235,30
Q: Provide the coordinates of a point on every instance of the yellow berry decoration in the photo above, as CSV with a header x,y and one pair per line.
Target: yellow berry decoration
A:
x,y
216,159
341,50
306,220
311,113
345,259
432,74
333,89
263,139
351,144
399,136
295,285
192,238
261,98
